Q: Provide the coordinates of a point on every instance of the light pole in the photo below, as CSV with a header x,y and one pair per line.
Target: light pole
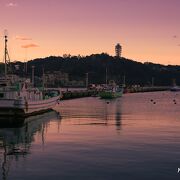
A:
x,y
33,75
106,76
152,81
87,80
124,81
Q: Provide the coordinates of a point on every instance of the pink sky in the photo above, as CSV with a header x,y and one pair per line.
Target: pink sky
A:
x,y
148,30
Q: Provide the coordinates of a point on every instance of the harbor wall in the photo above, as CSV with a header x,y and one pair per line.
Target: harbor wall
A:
x,y
72,94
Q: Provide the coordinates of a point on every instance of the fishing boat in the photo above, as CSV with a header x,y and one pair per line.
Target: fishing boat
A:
x,y
24,100
21,98
110,92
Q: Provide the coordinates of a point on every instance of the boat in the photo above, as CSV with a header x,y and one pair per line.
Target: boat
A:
x,y
19,98
111,92
24,100
175,88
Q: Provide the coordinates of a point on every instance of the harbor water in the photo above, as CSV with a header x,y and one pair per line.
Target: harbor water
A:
x,y
136,136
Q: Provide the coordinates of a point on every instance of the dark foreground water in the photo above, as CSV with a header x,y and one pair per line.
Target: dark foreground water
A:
x,y
136,137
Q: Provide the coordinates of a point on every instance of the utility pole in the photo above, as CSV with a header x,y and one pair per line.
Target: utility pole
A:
x,y
87,80
106,76
152,81
33,75
124,81
43,78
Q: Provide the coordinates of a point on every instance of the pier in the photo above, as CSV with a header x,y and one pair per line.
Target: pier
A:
x,y
147,89
73,94
78,94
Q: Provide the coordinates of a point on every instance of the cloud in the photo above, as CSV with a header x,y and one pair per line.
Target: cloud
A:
x,y
11,4
30,45
22,38
178,44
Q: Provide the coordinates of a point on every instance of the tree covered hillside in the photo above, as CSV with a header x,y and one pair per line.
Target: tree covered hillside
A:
x,y
96,65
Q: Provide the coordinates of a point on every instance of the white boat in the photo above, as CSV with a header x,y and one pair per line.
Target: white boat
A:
x,y
20,98
175,88
25,100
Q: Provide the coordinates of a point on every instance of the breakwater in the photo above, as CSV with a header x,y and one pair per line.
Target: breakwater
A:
x,y
147,89
78,94
72,94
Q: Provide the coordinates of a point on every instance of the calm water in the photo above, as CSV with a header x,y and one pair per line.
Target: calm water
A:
x,y
134,137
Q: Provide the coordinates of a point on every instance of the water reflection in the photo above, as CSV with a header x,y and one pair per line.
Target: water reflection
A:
x,y
113,113
15,143
92,112
98,139
118,116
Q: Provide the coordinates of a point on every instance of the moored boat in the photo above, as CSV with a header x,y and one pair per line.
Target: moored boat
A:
x,y
175,88
25,100
111,92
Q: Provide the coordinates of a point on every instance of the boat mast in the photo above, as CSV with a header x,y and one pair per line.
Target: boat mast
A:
x,y
25,62
6,54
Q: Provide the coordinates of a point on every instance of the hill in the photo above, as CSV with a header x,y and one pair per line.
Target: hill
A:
x,y
96,65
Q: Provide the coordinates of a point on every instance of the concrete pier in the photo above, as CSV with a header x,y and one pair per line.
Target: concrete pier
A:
x,y
73,94
147,89
78,94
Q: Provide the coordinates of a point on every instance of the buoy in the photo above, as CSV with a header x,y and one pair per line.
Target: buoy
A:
x,y
154,103
151,100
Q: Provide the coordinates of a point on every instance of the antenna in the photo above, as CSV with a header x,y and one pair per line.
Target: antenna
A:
x,y
6,54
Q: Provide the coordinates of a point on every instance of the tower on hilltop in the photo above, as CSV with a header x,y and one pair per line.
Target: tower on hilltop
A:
x,y
118,50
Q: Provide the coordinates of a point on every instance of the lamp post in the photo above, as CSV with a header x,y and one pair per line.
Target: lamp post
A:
x,y
87,80
33,75
152,81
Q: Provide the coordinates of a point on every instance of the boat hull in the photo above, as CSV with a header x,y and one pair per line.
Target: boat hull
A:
x,y
175,89
110,95
20,108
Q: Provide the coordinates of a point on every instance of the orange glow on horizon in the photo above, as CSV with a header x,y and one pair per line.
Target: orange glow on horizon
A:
x,y
147,31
